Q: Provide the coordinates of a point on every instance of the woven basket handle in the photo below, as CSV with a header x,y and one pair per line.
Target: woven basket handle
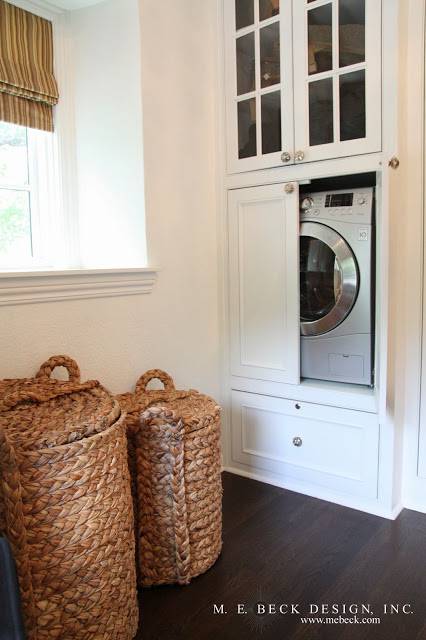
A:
x,y
68,363
44,395
154,374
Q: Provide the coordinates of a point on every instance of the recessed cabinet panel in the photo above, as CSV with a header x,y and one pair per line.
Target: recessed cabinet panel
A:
x,y
332,448
259,61
264,283
340,111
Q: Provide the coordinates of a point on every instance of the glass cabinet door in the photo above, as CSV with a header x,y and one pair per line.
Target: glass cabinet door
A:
x,y
259,81
337,66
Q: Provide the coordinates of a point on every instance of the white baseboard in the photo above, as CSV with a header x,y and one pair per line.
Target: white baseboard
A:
x,y
411,506
372,507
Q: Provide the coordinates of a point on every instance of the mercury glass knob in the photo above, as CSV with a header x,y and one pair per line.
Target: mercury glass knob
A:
x,y
285,156
297,442
300,156
289,188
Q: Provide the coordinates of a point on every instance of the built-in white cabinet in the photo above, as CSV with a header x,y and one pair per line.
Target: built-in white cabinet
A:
x,y
303,80
319,447
264,282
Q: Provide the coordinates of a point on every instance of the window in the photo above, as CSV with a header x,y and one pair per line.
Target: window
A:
x,y
27,197
71,173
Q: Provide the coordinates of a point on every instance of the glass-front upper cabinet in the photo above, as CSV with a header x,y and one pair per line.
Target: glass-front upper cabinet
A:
x,y
337,78
259,83
303,80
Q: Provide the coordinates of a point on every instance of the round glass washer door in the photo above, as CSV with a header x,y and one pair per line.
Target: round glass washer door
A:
x,y
329,279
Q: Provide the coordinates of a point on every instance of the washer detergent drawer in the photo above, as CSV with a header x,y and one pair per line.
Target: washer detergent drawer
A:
x,y
306,443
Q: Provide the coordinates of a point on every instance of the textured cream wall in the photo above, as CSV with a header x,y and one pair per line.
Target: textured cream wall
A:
x,y
176,327
108,130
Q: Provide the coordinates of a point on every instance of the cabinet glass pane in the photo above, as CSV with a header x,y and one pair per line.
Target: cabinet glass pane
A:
x,y
247,147
320,39
270,55
244,13
271,122
351,32
268,8
321,112
245,64
352,106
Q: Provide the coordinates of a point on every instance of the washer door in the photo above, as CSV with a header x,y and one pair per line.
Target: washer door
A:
x,y
329,279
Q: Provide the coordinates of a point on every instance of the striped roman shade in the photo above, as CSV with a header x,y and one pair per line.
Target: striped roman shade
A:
x,y
28,89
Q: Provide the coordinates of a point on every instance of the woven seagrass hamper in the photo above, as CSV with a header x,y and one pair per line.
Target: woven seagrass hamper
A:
x,y
66,505
44,372
175,458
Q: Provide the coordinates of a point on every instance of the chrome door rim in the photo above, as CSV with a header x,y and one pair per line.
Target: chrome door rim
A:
x,y
350,278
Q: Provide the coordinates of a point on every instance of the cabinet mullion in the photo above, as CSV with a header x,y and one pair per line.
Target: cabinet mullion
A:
x,y
336,94
257,80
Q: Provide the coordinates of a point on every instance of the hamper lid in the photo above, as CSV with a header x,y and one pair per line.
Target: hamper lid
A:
x,y
193,407
45,413
9,385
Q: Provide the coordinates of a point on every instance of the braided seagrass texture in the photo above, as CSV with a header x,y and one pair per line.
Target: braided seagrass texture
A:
x,y
44,373
67,511
175,457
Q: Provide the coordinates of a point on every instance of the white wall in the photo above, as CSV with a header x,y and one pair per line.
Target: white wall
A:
x,y
410,252
106,51
176,327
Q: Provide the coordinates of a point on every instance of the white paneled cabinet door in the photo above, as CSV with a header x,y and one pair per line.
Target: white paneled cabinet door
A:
x,y
259,83
264,282
337,78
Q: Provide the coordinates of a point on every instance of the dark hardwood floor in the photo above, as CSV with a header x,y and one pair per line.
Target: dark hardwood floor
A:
x,y
281,547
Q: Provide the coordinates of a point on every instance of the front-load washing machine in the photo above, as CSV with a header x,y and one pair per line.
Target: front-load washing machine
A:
x,y
336,286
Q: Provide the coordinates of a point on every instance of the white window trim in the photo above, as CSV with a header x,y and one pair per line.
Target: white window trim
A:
x,y
51,286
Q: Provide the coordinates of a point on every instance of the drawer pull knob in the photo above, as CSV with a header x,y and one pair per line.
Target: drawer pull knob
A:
x,y
297,405
297,442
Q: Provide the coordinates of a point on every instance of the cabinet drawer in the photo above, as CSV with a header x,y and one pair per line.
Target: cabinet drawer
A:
x,y
332,448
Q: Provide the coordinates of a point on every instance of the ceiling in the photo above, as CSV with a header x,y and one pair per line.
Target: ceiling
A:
x,y
73,4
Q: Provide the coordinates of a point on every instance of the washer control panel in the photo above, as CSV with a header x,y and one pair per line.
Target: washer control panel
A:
x,y
349,206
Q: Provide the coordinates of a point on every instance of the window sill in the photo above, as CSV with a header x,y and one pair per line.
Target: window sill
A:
x,y
52,286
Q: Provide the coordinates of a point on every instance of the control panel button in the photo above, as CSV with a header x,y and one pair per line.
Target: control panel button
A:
x,y
306,204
